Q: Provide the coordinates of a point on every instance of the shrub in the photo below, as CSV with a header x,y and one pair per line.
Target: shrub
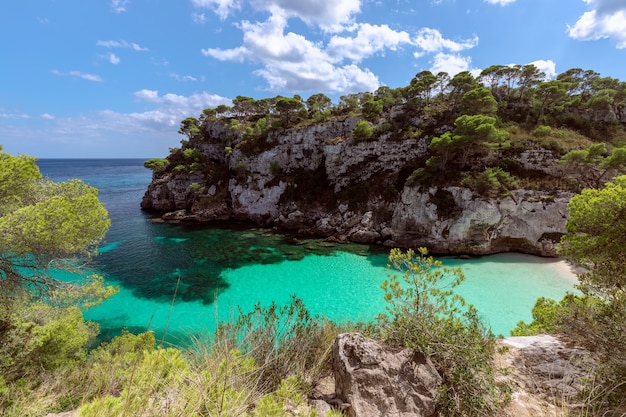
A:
x,y
156,164
363,130
275,168
425,313
542,131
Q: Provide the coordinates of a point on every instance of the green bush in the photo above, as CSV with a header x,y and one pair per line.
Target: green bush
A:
x,y
363,130
425,313
542,131
156,164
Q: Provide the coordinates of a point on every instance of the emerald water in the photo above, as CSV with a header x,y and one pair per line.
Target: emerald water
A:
x,y
221,269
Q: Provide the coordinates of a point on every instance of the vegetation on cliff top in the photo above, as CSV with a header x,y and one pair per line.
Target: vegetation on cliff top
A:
x,y
474,128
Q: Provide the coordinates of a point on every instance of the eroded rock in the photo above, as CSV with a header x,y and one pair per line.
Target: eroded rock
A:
x,y
376,380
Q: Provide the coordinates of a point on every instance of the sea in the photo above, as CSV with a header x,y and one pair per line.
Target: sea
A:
x,y
180,280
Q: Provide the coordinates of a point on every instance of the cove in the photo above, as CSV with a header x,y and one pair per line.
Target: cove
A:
x,y
227,269
221,268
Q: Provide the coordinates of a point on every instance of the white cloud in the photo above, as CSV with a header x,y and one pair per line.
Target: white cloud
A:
x,y
500,2
14,116
293,63
370,39
47,116
222,8
119,6
330,15
431,40
546,66
121,44
79,74
198,18
114,59
450,63
178,77
606,19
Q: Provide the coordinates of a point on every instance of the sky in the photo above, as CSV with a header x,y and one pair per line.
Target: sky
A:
x,y
114,78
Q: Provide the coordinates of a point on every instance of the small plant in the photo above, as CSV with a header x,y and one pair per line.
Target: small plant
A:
x,y
542,131
275,168
156,164
363,130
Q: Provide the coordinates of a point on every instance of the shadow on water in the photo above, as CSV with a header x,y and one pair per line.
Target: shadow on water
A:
x,y
151,265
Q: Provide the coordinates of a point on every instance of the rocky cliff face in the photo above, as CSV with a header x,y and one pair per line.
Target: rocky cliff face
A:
x,y
321,180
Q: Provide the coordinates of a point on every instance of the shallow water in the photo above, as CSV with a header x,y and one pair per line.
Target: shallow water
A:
x,y
221,269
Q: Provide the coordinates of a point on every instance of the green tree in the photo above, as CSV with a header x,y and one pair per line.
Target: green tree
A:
x,y
471,133
44,226
318,103
290,110
596,238
190,127
478,101
372,109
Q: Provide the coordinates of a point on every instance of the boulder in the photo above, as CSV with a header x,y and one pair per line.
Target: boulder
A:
x,y
377,380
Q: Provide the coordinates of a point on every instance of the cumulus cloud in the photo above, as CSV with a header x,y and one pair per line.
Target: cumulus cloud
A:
x,y
292,62
121,44
47,116
431,40
450,63
606,19
369,40
114,59
546,66
78,74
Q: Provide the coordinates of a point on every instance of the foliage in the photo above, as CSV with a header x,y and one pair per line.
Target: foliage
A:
x,y
542,131
425,313
275,168
596,238
363,130
40,336
44,226
156,164
493,181
595,242
285,340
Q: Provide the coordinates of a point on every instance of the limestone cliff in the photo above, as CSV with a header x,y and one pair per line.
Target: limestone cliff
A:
x,y
320,180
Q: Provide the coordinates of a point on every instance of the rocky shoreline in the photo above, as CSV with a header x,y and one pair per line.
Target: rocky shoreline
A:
x,y
316,180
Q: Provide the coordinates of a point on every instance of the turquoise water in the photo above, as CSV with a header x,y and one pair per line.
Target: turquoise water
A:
x,y
221,269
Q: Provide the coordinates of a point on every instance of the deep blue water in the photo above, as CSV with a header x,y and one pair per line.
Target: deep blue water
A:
x,y
219,269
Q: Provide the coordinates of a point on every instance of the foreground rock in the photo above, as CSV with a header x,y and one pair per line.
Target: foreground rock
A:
x,y
373,380
547,375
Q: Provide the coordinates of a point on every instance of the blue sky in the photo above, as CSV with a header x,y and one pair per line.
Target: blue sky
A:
x,y
113,78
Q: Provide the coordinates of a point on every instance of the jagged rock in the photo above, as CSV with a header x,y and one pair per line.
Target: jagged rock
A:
x,y
546,369
322,173
379,381
526,221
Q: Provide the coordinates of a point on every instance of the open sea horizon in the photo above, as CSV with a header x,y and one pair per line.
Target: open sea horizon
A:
x,y
221,268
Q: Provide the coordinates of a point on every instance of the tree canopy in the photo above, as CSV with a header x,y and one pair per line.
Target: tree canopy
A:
x,y
596,238
44,225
